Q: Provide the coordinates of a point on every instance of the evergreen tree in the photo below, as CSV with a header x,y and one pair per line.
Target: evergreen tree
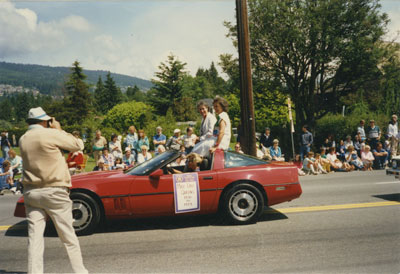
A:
x,y
77,103
168,87
98,94
107,95
6,112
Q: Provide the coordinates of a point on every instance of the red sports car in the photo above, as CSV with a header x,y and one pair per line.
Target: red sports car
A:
x,y
237,185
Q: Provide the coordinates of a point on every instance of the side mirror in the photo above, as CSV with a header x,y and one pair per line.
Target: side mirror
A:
x,y
157,174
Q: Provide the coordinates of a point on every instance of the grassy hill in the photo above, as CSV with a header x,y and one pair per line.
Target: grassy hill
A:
x,y
49,80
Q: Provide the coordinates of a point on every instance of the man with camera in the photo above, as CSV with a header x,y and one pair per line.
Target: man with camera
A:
x,y
46,182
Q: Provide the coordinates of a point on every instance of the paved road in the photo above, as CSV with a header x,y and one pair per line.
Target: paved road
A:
x,y
343,223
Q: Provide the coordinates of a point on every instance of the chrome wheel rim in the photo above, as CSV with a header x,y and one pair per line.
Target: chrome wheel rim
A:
x,y
243,205
82,214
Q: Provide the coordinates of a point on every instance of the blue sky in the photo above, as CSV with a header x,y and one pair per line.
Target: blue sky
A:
x,y
128,37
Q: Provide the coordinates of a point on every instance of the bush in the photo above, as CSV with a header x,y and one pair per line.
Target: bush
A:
x,y
126,114
341,126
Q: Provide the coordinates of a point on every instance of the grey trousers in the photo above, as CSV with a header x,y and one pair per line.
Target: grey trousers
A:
x,y
54,202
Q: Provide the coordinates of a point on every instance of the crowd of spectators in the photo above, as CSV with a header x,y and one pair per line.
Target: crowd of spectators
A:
x,y
365,151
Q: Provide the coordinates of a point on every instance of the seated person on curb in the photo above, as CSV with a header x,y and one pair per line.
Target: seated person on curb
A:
x,y
311,166
336,164
353,159
193,163
275,151
381,156
367,157
16,162
6,176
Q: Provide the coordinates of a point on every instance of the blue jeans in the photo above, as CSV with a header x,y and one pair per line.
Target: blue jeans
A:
x,y
5,150
304,150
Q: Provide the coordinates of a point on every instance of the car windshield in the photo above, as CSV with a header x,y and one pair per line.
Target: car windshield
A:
x,y
234,159
152,164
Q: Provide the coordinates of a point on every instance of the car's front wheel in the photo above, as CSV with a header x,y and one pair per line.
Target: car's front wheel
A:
x,y
85,212
243,204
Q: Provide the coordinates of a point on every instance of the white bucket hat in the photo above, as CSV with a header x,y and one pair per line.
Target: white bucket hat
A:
x,y
38,114
177,130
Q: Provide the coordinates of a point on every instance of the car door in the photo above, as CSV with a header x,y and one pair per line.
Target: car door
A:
x,y
155,196
152,196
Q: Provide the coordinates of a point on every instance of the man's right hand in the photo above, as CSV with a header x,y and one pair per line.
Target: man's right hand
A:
x,y
55,124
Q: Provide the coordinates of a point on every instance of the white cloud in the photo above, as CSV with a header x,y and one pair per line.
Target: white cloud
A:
x,y
134,45
75,22
21,32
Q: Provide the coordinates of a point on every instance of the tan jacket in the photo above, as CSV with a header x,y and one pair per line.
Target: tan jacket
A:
x,y
43,163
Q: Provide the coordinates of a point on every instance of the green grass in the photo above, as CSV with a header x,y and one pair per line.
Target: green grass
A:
x,y
89,165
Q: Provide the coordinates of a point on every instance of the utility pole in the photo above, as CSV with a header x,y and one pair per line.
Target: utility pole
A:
x,y
247,130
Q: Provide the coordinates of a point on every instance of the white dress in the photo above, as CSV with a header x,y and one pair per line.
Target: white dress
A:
x,y
203,147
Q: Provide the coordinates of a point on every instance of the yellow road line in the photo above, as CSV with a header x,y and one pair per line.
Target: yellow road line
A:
x,y
280,210
13,227
332,207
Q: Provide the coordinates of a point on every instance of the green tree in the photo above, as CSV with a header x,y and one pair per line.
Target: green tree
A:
x,y
77,102
99,92
168,86
107,95
217,84
114,95
134,93
22,103
6,112
126,114
316,51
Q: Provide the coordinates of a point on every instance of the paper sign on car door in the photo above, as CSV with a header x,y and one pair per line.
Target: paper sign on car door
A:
x,y
186,192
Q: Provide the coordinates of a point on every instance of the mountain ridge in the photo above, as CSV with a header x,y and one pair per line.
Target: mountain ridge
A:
x,y
50,80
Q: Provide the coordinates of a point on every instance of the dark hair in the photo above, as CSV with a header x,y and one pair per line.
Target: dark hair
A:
x,y
33,121
203,103
331,149
113,136
222,102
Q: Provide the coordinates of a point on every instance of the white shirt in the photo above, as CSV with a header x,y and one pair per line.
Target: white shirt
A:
x,y
226,139
207,126
331,157
189,141
141,158
393,130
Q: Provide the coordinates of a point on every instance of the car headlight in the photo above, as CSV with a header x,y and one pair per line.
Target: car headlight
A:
x,y
394,164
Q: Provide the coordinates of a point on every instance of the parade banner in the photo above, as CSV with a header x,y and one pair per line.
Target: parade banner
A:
x,y
186,192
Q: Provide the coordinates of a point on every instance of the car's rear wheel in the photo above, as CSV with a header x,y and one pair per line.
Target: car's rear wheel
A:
x,y
243,204
85,212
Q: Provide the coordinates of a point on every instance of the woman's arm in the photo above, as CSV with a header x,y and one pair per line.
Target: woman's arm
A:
x,y
221,133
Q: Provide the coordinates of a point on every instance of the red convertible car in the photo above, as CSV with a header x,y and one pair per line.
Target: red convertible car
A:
x,y
237,185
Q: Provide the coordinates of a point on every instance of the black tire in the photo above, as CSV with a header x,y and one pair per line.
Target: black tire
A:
x,y
86,213
242,204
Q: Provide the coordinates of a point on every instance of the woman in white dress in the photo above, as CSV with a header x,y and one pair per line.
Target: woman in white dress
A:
x,y
222,131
